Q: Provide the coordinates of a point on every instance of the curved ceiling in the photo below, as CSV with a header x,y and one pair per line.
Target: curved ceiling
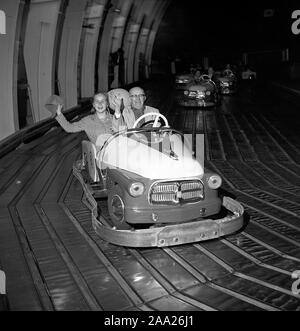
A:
x,y
202,27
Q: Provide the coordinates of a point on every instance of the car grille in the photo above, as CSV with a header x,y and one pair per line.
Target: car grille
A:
x,y
174,193
197,94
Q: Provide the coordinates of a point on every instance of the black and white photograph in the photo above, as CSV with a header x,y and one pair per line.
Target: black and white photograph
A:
x,y
149,158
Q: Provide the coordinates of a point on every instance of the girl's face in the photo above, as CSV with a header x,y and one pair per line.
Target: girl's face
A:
x,y
100,104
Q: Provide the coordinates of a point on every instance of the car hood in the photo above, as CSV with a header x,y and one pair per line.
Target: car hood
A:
x,y
182,77
202,87
187,75
225,79
149,162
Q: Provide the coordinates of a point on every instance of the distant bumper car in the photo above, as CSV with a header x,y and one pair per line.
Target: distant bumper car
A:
x,y
227,83
202,93
248,75
153,191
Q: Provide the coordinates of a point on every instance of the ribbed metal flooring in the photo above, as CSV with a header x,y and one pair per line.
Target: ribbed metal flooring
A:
x,y
54,260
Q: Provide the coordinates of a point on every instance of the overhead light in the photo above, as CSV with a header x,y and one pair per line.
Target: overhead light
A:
x,y
117,10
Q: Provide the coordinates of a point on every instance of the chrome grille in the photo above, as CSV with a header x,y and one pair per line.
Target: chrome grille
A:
x,y
165,188
196,94
193,94
174,193
164,197
186,186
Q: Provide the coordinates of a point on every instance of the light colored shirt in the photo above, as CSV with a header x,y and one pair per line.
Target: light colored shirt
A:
x,y
130,118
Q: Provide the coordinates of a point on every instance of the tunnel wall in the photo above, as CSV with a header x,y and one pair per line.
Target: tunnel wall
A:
x,y
68,59
39,52
93,20
69,46
9,121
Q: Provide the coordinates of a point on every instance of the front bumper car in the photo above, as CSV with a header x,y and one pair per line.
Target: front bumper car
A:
x,y
199,97
161,235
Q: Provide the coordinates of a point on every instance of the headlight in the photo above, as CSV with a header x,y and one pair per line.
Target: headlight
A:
x,y
208,93
214,182
225,84
186,92
136,189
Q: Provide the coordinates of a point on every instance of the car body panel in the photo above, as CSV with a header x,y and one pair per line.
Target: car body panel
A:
x,y
141,210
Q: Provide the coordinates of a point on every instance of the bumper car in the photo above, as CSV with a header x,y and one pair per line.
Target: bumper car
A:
x,y
202,93
248,75
227,82
145,188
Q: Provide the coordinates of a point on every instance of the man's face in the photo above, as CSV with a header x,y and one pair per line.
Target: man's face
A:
x,y
100,104
137,98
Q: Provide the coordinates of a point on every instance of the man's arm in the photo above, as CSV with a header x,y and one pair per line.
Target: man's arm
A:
x,y
118,122
123,120
129,117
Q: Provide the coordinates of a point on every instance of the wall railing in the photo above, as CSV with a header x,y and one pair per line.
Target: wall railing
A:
x,y
36,130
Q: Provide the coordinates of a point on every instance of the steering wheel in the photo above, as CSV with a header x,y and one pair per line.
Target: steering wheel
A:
x,y
148,124
157,136
155,124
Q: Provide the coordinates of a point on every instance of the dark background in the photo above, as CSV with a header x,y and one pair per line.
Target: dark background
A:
x,y
223,31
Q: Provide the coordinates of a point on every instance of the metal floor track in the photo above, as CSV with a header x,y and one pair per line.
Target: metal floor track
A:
x,y
54,260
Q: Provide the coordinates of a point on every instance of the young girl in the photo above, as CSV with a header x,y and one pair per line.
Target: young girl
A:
x,y
98,126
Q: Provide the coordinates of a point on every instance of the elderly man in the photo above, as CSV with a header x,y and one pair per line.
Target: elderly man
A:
x,y
137,107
